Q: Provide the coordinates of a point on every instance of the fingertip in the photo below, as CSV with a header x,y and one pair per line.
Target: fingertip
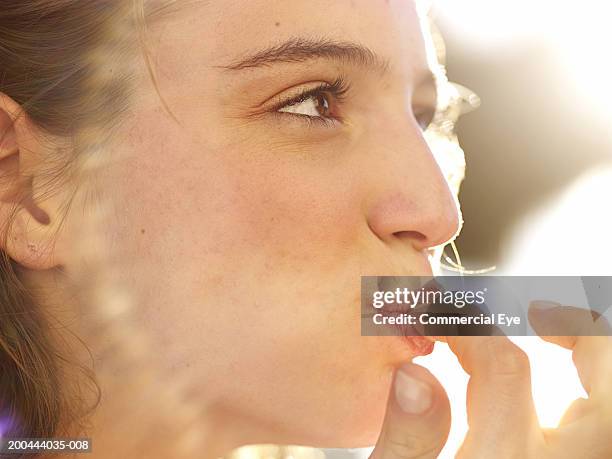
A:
x,y
418,378
417,421
412,394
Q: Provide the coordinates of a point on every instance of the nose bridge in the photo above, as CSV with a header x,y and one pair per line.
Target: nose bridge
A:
x,y
414,199
411,162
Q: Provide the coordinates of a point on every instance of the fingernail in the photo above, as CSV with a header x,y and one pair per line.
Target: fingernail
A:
x,y
544,305
412,395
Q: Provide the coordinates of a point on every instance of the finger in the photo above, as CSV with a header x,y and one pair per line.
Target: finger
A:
x,y
562,324
587,435
592,354
417,421
501,414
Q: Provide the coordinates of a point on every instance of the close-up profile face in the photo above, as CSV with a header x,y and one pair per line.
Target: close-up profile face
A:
x,y
296,164
231,229
272,152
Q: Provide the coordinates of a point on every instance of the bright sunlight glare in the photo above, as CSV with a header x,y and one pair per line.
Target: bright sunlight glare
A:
x,y
577,34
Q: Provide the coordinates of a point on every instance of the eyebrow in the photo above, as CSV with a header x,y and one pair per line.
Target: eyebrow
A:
x,y
298,50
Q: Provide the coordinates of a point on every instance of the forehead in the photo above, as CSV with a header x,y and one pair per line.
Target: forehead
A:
x,y
223,30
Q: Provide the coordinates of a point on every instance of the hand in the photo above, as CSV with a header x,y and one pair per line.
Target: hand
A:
x,y
501,415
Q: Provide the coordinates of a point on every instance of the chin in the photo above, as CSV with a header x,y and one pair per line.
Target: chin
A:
x,y
359,429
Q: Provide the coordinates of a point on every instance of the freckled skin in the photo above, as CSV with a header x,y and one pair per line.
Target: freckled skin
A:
x,y
259,228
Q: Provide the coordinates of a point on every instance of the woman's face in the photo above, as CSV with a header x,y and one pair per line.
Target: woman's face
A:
x,y
296,166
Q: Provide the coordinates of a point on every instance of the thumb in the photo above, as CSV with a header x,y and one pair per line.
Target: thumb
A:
x,y
418,417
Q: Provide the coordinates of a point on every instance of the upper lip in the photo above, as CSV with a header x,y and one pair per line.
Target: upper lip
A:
x,y
422,269
389,283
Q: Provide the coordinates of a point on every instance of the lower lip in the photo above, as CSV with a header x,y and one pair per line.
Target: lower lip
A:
x,y
419,345
409,335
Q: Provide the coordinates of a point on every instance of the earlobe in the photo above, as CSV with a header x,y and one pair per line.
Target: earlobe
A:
x,y
29,243
27,231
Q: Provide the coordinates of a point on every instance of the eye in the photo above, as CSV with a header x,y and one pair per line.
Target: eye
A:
x,y
314,105
318,104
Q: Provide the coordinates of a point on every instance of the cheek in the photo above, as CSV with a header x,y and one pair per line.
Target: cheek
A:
x,y
247,268
223,229
288,211
296,206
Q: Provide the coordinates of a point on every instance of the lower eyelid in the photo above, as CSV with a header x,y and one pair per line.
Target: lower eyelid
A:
x,y
309,121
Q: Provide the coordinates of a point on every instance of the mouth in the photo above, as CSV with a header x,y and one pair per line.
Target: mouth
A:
x,y
419,345
399,319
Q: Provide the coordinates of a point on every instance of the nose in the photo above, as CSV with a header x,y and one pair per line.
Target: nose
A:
x,y
411,199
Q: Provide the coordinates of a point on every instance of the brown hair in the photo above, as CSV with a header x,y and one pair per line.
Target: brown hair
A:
x,y
60,60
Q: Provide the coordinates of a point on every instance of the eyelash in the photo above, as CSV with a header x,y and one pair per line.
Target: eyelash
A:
x,y
337,89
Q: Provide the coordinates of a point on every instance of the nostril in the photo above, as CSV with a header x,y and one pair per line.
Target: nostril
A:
x,y
412,235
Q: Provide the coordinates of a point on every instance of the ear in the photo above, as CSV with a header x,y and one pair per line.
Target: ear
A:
x,y
27,231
